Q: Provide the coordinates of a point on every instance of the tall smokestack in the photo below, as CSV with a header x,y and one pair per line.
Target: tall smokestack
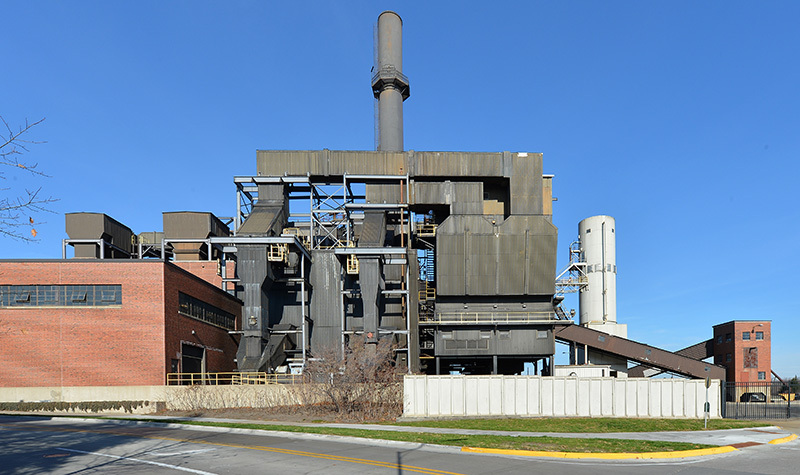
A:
x,y
389,85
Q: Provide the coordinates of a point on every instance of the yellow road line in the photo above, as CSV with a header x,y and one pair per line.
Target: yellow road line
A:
x,y
338,458
607,456
782,440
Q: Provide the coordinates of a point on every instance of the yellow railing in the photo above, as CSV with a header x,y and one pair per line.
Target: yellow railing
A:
x,y
176,379
426,229
352,264
305,240
427,294
278,253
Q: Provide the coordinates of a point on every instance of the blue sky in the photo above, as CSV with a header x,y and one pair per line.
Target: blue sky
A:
x,y
680,119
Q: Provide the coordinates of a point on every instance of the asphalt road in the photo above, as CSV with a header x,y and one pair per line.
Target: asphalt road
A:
x,y
63,446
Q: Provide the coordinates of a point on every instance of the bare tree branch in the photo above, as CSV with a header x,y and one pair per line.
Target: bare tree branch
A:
x,y
362,384
17,209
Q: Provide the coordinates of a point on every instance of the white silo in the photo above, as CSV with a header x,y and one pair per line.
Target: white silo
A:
x,y
598,300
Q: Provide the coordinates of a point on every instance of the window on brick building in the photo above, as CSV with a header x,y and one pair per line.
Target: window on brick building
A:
x,y
107,295
719,340
762,375
728,358
759,335
196,308
745,335
750,357
60,295
727,337
79,296
22,297
48,295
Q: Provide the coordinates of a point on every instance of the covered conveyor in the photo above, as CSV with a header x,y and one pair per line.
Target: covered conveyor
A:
x,y
699,351
638,352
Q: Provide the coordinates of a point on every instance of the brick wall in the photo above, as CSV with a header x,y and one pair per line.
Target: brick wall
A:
x,y
84,346
219,345
737,348
207,270
132,344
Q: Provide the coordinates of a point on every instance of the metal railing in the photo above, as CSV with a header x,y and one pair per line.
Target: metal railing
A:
x,y
456,318
426,229
255,378
764,400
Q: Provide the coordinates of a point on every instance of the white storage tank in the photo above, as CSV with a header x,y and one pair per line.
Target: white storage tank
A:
x,y
598,300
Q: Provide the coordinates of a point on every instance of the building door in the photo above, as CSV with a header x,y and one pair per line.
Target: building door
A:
x,y
193,359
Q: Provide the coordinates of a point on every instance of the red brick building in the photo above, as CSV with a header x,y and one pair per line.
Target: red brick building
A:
x,y
113,322
744,348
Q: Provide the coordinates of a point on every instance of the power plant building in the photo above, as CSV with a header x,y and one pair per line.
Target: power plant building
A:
x,y
450,255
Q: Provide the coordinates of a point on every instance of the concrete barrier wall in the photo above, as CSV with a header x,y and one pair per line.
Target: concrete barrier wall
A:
x,y
172,397
454,396
220,397
83,394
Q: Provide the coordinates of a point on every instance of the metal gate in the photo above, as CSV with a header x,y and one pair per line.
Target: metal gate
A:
x,y
765,400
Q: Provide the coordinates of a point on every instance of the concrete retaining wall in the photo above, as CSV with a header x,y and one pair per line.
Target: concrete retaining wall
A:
x,y
83,394
470,396
220,397
172,397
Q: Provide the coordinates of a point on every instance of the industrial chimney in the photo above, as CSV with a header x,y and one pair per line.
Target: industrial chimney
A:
x,y
389,85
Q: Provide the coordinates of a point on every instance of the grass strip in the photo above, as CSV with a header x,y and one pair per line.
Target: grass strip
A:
x,y
590,425
551,444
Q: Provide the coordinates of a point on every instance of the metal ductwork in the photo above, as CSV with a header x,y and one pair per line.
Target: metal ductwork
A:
x,y
98,236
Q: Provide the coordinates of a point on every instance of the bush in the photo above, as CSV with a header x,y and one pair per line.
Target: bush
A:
x,y
361,384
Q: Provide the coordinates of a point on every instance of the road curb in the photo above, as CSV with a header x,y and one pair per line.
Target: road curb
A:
x,y
617,456
783,440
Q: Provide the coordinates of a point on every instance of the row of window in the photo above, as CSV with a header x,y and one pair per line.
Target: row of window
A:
x,y
746,336
60,295
194,308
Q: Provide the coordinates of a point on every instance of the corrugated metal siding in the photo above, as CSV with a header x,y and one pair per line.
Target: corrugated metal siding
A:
x,y
475,258
526,185
289,162
95,226
450,265
452,341
542,266
359,162
463,197
327,302
263,220
455,164
191,224
373,231
330,162
510,278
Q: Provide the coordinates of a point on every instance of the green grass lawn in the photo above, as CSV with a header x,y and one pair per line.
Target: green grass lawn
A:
x,y
552,444
580,424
